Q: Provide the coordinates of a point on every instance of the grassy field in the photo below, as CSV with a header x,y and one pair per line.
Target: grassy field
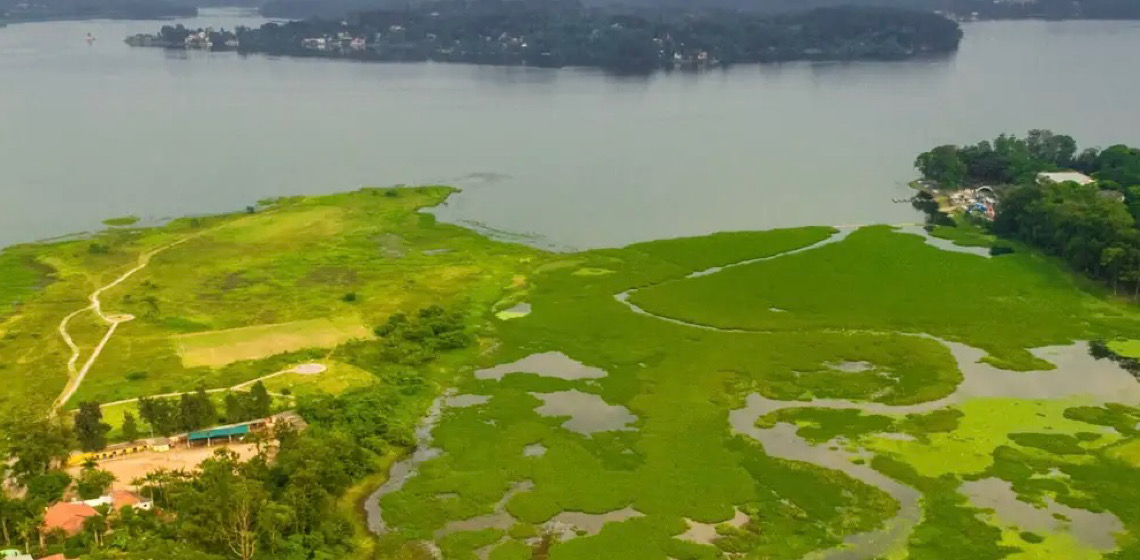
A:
x,y
247,295
880,280
219,348
240,290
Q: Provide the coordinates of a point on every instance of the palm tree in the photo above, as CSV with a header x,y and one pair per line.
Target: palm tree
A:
x,y
29,528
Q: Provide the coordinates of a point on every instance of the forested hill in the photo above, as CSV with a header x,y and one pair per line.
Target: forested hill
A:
x,y
574,36
1094,227
963,9
1042,9
13,11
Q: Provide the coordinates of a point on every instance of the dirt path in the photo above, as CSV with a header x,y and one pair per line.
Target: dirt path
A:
x,y
75,376
304,369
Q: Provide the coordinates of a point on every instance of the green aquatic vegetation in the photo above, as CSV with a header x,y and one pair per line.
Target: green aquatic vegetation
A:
x,y
935,422
1060,444
1123,419
1125,348
964,234
1031,537
1101,483
950,528
896,282
724,248
512,550
820,425
985,425
462,545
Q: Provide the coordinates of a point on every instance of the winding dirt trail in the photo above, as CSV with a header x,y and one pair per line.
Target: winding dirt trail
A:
x,y
303,369
75,376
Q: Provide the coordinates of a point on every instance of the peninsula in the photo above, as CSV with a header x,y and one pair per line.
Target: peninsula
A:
x,y
817,392
568,35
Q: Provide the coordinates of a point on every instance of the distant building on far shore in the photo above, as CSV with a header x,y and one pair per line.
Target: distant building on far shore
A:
x,y
1065,177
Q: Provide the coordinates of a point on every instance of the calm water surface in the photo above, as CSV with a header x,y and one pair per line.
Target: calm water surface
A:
x,y
575,157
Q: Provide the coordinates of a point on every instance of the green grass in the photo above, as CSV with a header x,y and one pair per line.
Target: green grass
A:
x,y
337,379
965,234
281,268
880,280
219,348
20,277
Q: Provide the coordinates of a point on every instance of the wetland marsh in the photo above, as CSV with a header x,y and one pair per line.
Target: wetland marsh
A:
x,y
813,393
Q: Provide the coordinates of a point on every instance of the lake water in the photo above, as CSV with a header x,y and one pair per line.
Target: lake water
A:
x,y
575,157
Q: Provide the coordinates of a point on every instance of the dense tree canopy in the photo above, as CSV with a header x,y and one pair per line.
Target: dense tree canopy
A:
x,y
558,35
1089,226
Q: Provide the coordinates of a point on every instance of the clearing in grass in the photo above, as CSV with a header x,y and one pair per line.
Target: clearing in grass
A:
x,y
218,348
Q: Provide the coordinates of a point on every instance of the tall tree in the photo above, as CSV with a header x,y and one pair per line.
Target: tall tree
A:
x,y
235,407
260,401
942,164
207,412
93,483
189,415
130,427
89,427
34,443
10,514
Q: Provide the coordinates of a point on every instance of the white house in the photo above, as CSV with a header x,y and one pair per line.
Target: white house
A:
x,y
1064,177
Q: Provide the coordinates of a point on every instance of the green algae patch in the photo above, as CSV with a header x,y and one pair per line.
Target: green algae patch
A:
x,y
1125,348
985,425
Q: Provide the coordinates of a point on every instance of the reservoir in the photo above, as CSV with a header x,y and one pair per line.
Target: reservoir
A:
x,y
569,158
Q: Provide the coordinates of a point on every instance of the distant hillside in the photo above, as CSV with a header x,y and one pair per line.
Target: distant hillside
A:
x,y
302,9
13,11
964,9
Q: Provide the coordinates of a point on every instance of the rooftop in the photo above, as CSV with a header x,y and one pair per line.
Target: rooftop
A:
x,y
68,517
1064,177
224,431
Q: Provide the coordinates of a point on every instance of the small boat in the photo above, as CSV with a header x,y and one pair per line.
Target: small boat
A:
x,y
90,39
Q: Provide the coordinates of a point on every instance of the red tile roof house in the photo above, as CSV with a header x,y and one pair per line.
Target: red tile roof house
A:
x,y
70,516
55,557
67,517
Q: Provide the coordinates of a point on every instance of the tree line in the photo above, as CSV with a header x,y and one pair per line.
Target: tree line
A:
x,y
284,504
165,416
564,34
1095,228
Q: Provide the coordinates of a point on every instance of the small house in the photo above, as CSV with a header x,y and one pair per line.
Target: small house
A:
x,y
1064,177
67,517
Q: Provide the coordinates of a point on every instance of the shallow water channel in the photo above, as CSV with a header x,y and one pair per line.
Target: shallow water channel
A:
x,y
1077,375
405,468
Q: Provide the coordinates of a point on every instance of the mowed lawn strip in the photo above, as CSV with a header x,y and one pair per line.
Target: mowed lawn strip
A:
x,y
218,348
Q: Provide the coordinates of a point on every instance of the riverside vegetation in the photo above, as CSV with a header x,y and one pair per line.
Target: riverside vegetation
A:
x,y
780,394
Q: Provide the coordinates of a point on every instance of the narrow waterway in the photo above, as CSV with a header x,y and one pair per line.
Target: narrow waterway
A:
x,y
404,469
